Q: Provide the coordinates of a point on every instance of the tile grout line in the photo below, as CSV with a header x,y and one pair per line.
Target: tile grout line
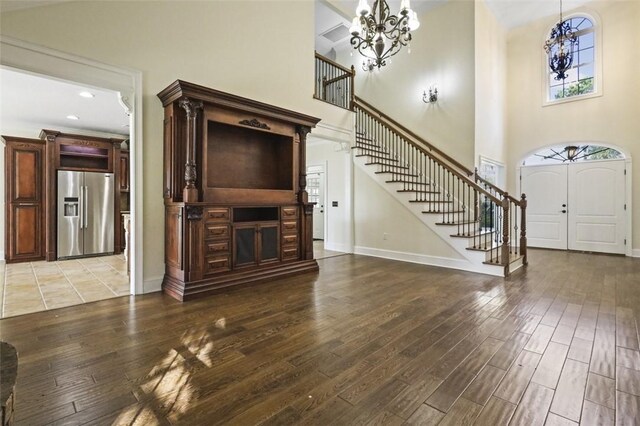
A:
x,y
119,273
33,271
102,282
70,283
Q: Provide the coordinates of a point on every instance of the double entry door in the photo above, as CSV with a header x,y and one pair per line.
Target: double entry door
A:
x,y
577,206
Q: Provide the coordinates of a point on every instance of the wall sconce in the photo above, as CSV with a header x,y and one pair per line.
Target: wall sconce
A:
x,y
431,97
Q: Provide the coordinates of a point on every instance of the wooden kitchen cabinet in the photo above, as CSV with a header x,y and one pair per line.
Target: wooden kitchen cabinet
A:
x,y
124,171
24,199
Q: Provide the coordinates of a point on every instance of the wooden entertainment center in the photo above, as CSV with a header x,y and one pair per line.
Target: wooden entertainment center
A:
x,y
236,208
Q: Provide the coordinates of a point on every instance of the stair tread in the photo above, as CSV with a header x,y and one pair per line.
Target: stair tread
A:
x,y
513,257
431,201
456,223
360,143
399,174
473,235
376,156
385,164
441,212
418,191
379,151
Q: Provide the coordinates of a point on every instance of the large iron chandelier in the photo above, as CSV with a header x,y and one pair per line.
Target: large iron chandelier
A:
x,y
560,46
377,34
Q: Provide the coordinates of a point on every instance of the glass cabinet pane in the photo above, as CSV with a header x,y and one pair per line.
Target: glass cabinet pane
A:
x,y
269,243
245,245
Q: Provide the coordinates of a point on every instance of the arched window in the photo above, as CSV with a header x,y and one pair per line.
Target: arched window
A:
x,y
581,77
572,153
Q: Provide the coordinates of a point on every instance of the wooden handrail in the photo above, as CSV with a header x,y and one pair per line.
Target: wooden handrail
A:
x,y
335,64
459,175
336,79
401,129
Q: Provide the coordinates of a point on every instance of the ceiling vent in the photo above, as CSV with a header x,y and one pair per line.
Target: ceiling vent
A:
x,y
337,33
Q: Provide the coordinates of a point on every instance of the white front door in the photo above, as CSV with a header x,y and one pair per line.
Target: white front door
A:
x,y
315,188
546,190
596,206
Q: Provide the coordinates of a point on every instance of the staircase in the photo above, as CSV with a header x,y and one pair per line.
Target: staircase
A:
x,y
484,224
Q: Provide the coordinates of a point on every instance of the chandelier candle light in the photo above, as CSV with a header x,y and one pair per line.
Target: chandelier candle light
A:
x,y
560,46
377,34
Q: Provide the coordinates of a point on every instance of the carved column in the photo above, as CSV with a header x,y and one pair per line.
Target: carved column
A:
x,y
194,243
50,194
303,197
190,192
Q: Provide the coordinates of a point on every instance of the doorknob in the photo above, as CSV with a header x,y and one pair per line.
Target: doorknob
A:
x,y
564,211
564,205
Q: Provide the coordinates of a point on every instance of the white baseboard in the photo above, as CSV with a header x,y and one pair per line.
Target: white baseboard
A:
x,y
152,285
635,253
344,248
424,259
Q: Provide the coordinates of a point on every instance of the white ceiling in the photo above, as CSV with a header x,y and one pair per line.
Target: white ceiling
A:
x,y
28,101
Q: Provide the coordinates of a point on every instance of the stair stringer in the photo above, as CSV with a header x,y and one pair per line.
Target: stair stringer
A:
x,y
472,261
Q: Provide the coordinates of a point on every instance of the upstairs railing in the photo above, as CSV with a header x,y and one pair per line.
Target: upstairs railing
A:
x,y
334,83
493,220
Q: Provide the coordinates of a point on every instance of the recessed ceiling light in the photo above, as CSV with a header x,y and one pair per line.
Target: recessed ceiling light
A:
x,y
73,117
87,95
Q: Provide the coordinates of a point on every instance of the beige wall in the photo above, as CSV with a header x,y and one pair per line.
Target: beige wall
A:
x,y
613,118
377,213
491,86
204,42
442,53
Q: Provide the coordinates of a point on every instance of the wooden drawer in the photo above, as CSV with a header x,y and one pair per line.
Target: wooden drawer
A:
x,y
219,232
217,248
216,214
289,240
289,253
289,213
217,264
289,226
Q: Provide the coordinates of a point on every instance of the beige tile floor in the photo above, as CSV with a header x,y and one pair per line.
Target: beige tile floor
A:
x,y
38,286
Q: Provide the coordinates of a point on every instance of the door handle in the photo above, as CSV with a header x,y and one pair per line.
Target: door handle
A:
x,y
564,205
564,211
86,210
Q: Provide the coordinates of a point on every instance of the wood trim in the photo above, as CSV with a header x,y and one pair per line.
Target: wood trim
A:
x,y
333,63
401,129
180,88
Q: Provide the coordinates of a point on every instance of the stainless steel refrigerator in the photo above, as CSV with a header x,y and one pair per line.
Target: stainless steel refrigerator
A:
x,y
85,213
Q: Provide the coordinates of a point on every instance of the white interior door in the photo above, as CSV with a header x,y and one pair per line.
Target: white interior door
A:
x,y
596,206
546,190
315,188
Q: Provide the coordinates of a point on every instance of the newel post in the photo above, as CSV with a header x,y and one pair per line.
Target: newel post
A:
x,y
505,233
190,192
523,228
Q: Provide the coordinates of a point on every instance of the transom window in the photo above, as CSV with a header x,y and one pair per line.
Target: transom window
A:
x,y
580,78
572,153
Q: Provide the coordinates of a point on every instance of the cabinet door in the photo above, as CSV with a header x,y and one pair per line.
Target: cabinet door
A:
x,y
124,171
173,237
269,243
24,201
26,235
244,245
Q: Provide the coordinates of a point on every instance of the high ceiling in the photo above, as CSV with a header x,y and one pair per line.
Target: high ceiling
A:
x,y
31,101
337,14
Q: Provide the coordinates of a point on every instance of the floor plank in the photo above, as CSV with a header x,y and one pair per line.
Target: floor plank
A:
x,y
364,341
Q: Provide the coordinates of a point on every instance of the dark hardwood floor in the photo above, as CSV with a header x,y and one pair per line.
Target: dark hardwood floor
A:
x,y
365,341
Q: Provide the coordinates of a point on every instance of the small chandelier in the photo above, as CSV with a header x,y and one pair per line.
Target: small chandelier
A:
x,y
560,46
378,35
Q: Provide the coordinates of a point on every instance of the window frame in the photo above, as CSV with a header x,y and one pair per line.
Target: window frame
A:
x,y
597,61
